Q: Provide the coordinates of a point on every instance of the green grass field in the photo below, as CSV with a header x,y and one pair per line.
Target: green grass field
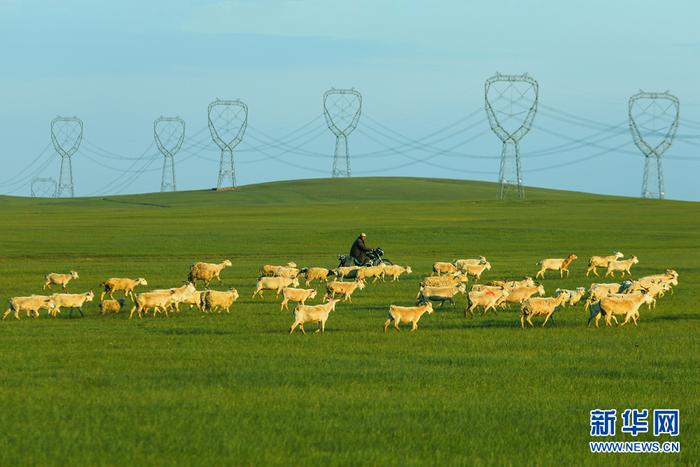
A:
x,y
236,389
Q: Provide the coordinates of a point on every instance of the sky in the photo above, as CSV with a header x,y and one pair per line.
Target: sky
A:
x,y
420,67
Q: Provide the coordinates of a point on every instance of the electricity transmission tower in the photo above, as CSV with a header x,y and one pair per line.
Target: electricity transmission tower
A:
x,y
342,109
66,136
228,121
43,187
169,133
511,105
653,120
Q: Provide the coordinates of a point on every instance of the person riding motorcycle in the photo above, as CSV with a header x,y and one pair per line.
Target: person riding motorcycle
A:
x,y
358,250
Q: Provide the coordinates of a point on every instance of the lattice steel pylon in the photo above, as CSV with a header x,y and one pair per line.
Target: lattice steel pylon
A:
x,y
169,133
66,136
511,105
653,120
342,109
43,187
228,120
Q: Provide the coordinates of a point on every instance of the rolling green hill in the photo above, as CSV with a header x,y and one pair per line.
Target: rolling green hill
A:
x,y
235,389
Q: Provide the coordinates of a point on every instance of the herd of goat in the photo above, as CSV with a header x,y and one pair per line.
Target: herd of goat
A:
x,y
449,279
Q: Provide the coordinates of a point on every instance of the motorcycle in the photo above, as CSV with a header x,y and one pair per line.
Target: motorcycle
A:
x,y
375,257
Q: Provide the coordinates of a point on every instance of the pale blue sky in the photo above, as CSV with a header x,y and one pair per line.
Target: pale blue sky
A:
x,y
419,65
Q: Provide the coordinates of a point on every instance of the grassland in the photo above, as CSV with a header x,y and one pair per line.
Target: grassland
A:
x,y
235,389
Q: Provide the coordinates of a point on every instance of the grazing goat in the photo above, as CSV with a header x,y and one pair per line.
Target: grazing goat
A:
x,y
488,298
59,279
574,295
123,284
368,272
71,300
599,291
601,262
346,289
452,280
394,270
271,269
477,270
520,294
214,299
31,304
670,277
158,301
205,272
539,306
343,272
313,314
462,264
619,304
320,274
441,268
484,287
296,295
525,282
623,266
555,264
274,283
285,271
184,294
193,299
656,289
407,314
439,294
111,306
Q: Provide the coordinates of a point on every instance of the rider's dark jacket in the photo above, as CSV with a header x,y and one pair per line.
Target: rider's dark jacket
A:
x,y
359,249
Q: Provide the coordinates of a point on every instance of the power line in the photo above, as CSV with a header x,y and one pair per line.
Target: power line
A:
x,y
579,120
425,159
207,144
18,178
425,147
287,148
422,141
91,148
114,183
116,169
22,184
135,177
577,161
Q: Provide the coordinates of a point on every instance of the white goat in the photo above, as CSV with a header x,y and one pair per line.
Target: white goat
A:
x,y
214,299
539,306
601,262
555,264
296,295
407,314
71,300
623,266
31,304
274,283
313,314
59,279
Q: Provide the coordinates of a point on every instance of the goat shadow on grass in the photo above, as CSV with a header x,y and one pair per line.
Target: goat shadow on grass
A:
x,y
65,314
685,317
476,323
485,323
135,203
189,331
310,329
